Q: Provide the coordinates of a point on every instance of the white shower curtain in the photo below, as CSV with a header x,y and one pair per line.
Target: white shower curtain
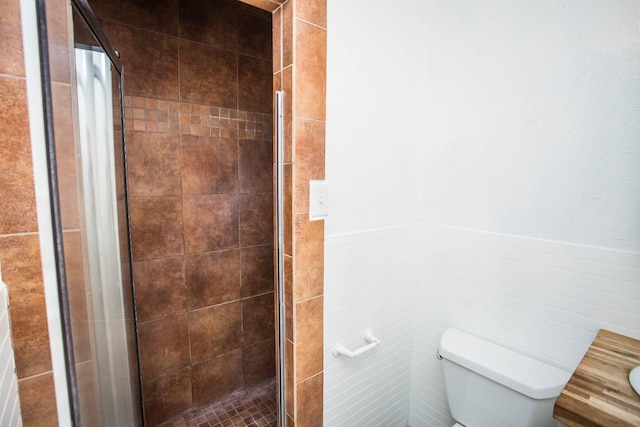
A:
x,y
101,239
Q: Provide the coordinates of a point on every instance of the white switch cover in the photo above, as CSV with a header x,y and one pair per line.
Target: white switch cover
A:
x,y
318,199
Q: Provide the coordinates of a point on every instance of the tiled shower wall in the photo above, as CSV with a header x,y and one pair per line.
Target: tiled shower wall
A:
x,y
300,36
198,109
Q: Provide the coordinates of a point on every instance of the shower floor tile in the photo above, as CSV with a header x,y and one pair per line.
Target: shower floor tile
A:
x,y
255,407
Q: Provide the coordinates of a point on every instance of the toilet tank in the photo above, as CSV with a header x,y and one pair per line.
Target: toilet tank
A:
x,y
491,386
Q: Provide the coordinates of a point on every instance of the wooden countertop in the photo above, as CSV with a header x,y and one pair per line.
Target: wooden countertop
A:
x,y
599,393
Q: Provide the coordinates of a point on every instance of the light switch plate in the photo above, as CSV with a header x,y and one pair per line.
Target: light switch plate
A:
x,y
318,199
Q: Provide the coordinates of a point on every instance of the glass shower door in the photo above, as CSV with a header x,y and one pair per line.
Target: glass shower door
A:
x,y
101,350
109,269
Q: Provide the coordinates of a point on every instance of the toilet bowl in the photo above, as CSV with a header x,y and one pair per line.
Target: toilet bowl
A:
x,y
491,386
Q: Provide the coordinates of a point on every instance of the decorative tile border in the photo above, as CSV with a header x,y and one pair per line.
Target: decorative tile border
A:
x,y
154,115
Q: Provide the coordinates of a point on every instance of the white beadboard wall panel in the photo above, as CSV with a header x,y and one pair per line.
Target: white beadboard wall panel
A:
x,y
369,277
546,299
9,400
428,402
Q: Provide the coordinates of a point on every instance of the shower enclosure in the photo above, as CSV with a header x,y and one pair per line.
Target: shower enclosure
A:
x,y
104,231
198,112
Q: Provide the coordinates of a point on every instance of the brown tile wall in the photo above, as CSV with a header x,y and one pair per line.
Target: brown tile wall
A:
x,y
300,35
198,109
19,240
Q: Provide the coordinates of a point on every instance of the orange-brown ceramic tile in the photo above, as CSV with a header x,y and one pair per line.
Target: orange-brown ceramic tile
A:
x,y
87,387
288,297
288,33
81,32
153,164
262,4
96,6
309,265
256,219
259,362
11,60
119,163
309,155
22,273
160,288
314,11
309,337
38,401
30,335
257,270
18,213
254,36
309,402
214,23
213,278
255,84
167,396
207,75
151,61
164,346
209,165
311,61
156,227
123,237
253,10
81,334
215,330
288,209
132,357
217,377
289,376
277,85
287,87
66,156
257,319
58,40
77,294
160,16
276,41
255,167
210,223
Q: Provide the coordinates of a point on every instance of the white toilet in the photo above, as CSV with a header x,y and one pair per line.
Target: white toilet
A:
x,y
492,386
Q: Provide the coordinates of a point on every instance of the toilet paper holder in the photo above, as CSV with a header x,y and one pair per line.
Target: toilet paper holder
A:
x,y
341,350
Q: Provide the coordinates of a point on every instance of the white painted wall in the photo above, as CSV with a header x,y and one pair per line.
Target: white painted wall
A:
x,y
476,180
532,132
531,124
375,73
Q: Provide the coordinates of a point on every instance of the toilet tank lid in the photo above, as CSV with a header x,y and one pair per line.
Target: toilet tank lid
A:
x,y
507,367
